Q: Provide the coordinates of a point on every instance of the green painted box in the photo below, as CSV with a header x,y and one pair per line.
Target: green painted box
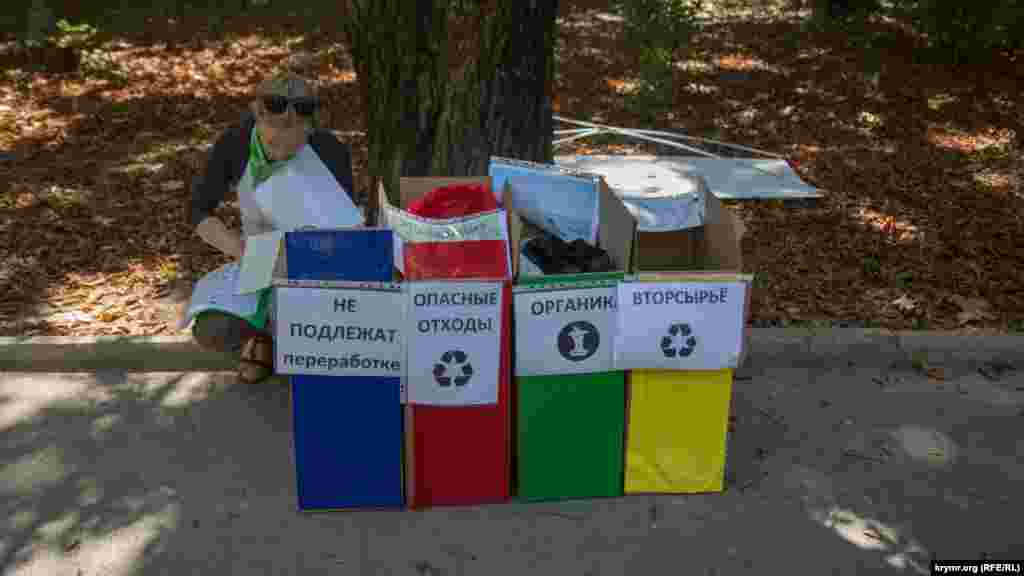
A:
x,y
570,427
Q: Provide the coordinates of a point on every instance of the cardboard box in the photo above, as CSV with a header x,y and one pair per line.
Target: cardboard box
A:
x,y
677,420
360,467
570,426
429,429
677,425
715,245
681,223
588,462
617,228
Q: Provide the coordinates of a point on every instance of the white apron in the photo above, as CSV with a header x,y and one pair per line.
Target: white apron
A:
x,y
301,194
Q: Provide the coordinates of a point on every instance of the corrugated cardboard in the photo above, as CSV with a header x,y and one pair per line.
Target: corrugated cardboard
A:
x,y
347,430
616,226
713,246
409,190
570,427
677,426
706,234
594,459
677,421
617,231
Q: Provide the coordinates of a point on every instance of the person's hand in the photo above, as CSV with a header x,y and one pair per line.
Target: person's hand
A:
x,y
216,234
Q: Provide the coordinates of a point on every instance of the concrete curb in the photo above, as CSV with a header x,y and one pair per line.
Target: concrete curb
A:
x,y
806,348
765,348
85,354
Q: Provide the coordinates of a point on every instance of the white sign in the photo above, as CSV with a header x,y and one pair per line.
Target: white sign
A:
x,y
679,325
454,333
564,330
340,331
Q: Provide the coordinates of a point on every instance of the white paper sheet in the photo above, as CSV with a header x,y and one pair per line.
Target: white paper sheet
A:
x,y
305,193
450,364
369,324
218,291
257,270
564,331
679,325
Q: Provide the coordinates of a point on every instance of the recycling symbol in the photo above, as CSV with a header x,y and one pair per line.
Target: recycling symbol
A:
x,y
578,341
679,342
453,367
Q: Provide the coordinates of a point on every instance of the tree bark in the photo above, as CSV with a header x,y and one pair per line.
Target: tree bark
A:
x,y
446,84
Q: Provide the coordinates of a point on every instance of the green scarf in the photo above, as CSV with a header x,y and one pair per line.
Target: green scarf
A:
x,y
261,165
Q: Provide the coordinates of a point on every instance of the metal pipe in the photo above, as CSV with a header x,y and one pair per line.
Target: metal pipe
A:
x,y
577,137
640,133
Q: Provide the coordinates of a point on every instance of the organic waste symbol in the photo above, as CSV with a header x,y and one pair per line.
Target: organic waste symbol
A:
x,y
453,367
578,341
680,341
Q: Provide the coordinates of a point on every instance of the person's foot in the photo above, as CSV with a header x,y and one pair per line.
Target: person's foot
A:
x,y
257,361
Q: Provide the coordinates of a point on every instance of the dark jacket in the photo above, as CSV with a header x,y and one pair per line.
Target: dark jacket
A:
x,y
229,156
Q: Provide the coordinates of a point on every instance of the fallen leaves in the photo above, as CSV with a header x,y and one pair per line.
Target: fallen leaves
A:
x,y
905,304
972,310
172,185
920,225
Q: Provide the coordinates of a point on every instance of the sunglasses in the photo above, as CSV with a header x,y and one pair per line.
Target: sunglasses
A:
x,y
279,104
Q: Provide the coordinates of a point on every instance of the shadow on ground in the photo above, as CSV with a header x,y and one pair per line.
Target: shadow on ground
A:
x,y
828,470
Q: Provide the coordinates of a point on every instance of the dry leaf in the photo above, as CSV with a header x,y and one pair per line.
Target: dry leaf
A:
x,y
936,373
172,185
905,303
107,316
972,310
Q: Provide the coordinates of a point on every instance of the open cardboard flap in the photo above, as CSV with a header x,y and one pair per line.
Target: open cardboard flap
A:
x,y
682,224
263,249
561,201
714,245
617,228
722,235
580,192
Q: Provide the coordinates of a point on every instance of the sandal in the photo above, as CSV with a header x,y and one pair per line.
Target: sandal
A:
x,y
257,361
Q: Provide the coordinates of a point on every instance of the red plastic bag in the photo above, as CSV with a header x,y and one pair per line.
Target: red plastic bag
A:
x,y
468,259
479,259
454,201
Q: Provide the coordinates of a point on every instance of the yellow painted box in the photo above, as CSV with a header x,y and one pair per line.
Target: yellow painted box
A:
x,y
676,431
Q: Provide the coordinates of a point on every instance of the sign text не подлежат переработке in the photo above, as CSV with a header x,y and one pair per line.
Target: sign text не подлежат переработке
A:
x,y
341,332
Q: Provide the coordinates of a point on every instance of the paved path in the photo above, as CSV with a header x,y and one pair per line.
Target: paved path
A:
x,y
834,469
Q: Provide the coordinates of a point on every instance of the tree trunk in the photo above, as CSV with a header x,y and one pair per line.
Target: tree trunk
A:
x,y
446,84
40,22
